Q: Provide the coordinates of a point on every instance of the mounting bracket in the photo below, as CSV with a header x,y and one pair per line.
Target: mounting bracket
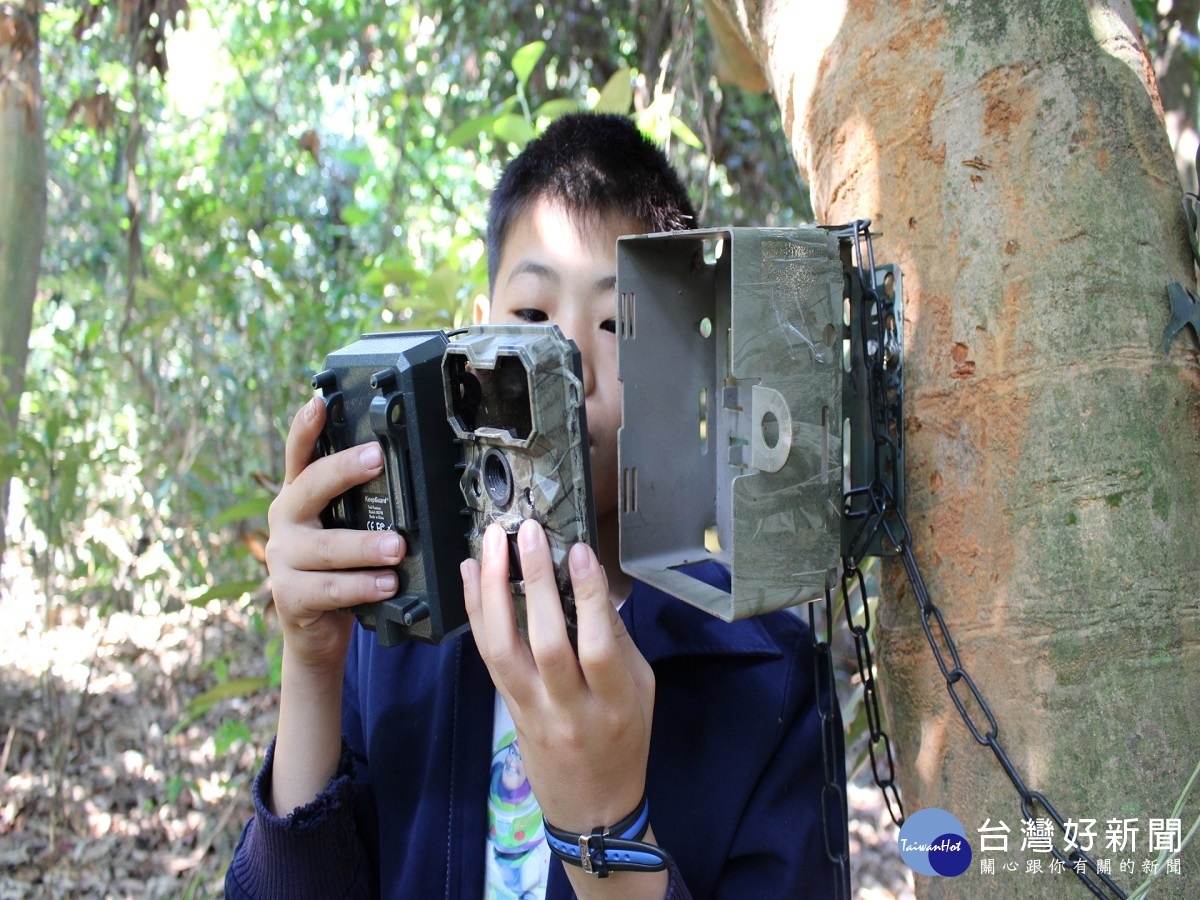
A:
x,y
872,395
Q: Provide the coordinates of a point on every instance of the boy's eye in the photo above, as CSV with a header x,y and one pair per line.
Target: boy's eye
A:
x,y
532,316
609,325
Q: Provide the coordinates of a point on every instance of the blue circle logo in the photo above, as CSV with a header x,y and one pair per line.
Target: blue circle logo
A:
x,y
933,842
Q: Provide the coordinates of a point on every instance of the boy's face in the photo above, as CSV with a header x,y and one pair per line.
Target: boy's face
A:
x,y
557,270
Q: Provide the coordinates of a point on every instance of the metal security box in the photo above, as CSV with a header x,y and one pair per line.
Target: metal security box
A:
x,y
730,353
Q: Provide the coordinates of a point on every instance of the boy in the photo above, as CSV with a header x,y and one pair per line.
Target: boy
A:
x,y
446,747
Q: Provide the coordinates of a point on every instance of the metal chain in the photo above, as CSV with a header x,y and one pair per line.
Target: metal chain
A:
x,y
834,813
876,736
883,513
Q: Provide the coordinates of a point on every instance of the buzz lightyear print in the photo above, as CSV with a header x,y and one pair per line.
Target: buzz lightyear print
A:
x,y
518,856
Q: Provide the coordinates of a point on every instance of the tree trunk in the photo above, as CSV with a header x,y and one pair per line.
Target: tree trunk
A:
x,y
1014,159
22,212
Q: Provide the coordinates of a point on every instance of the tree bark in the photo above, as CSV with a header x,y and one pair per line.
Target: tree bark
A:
x,y
22,212
1014,159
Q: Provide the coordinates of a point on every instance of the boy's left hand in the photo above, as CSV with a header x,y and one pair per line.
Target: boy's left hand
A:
x,y
583,722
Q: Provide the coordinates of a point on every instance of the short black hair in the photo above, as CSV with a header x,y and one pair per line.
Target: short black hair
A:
x,y
594,164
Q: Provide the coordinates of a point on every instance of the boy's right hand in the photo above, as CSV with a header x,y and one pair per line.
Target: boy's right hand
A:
x,y
317,572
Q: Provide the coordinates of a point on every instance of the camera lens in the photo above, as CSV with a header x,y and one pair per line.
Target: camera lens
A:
x,y
497,477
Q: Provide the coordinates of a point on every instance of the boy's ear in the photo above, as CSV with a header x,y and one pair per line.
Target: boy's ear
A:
x,y
483,307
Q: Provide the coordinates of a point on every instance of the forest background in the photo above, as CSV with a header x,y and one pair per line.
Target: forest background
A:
x,y
234,190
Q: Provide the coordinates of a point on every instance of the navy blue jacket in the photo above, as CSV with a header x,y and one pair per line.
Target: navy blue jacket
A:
x,y
735,773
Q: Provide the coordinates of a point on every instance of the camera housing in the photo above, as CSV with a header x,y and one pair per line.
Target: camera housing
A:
x,y
388,388
746,351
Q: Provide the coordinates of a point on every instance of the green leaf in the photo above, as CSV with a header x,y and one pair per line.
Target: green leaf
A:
x,y
92,335
389,273
1146,10
238,687
356,156
247,509
175,787
228,733
442,286
230,591
515,129
467,131
147,288
525,59
552,109
355,215
685,134
275,660
617,95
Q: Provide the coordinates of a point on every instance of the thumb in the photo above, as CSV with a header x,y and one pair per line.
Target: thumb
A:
x,y
301,444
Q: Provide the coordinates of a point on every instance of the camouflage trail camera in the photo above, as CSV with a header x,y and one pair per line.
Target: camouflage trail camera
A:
x,y
515,398
489,427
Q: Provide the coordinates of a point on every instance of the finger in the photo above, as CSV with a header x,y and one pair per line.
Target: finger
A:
x,y
469,569
607,655
506,654
472,594
326,478
318,550
548,639
301,443
312,593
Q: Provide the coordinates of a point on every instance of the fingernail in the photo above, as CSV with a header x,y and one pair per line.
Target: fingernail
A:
x,y
310,409
371,457
389,546
580,561
530,535
386,582
464,569
493,539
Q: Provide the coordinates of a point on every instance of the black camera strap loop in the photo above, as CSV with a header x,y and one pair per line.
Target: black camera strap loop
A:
x,y
879,515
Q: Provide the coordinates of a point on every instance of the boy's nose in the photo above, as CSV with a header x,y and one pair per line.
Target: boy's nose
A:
x,y
589,377
574,331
